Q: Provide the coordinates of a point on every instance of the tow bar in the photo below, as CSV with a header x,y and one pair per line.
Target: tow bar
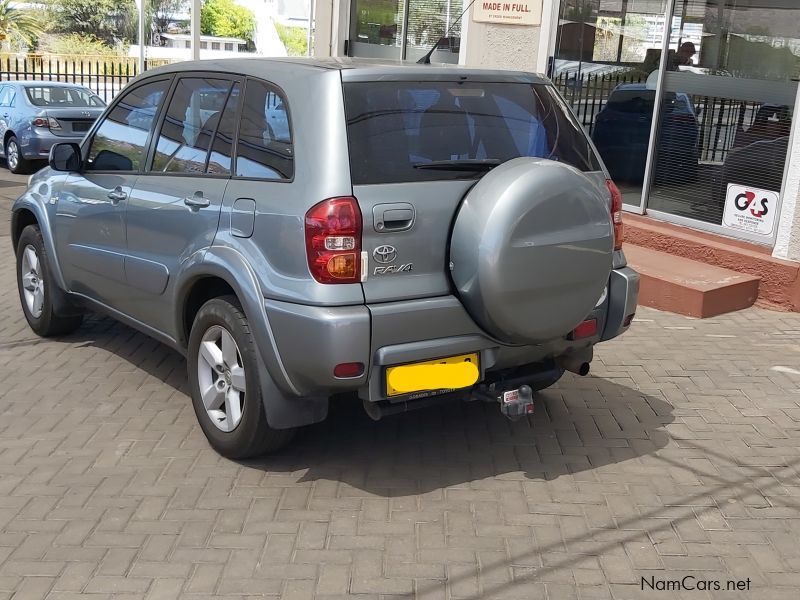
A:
x,y
517,403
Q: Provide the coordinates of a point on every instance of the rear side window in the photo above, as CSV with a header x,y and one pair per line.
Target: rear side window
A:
x,y
194,114
120,140
393,126
264,149
58,96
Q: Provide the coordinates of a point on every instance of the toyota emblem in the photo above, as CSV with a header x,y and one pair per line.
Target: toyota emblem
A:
x,y
384,254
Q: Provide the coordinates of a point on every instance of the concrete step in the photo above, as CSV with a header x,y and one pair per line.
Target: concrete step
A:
x,y
688,287
780,279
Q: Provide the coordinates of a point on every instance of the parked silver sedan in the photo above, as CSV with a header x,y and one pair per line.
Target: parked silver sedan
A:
x,y
34,115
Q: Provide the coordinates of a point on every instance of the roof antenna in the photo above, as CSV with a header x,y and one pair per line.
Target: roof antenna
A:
x,y
426,60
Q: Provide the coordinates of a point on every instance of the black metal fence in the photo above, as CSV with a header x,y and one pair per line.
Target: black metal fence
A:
x,y
103,76
588,94
719,119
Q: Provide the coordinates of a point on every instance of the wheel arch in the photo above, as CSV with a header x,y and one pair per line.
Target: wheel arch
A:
x,y
220,271
20,219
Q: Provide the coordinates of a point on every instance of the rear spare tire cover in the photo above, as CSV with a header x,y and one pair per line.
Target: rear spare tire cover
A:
x,y
531,249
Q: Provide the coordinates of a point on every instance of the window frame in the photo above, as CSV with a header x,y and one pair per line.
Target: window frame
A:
x,y
281,93
89,139
162,115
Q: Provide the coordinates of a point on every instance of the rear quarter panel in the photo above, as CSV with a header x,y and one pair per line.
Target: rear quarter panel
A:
x,y
276,248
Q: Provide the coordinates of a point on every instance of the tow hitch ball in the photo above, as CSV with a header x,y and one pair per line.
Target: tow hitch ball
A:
x,y
517,403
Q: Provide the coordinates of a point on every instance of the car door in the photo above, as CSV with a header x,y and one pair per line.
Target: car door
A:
x,y
90,228
174,209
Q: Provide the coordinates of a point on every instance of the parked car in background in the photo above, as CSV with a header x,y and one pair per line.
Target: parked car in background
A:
x,y
622,132
424,234
34,115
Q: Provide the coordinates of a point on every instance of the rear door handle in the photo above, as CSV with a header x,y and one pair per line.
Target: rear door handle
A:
x,y
197,201
397,216
117,195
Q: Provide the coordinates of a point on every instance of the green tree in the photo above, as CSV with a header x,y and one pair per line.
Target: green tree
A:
x,y
18,27
224,18
295,39
107,20
160,13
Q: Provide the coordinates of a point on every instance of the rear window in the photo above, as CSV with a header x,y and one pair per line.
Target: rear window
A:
x,y
59,96
393,126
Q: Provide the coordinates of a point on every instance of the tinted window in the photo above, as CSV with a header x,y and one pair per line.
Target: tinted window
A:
x,y
219,162
60,96
393,126
120,141
265,147
194,113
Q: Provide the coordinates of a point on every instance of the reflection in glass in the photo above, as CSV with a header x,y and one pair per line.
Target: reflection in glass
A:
x,y
119,142
191,121
741,82
377,29
605,64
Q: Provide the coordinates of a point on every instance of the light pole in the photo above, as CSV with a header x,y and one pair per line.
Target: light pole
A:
x,y
141,5
195,25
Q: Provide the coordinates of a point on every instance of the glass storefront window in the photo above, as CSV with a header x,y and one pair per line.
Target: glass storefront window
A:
x,y
605,52
428,21
405,29
378,25
736,83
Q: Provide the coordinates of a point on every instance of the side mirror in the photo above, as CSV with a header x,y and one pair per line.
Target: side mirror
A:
x,y
65,157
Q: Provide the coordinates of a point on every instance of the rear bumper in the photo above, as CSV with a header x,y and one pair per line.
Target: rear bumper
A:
x,y
35,145
623,295
312,340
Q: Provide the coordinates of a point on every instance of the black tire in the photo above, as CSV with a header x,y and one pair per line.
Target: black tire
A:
x,y
252,436
48,323
21,165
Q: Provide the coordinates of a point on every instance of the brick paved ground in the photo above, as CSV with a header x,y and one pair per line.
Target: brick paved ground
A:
x,y
678,456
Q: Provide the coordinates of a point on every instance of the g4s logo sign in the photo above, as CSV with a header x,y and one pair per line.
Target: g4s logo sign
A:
x,y
750,209
745,200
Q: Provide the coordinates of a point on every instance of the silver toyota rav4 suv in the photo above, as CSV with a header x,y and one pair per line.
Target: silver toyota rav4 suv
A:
x,y
305,228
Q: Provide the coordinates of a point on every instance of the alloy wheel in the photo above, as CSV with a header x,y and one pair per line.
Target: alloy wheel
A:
x,y
220,374
12,155
32,282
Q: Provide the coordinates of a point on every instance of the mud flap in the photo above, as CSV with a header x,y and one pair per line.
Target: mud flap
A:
x,y
286,412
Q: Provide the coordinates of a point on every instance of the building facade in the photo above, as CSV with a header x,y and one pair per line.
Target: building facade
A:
x,y
691,103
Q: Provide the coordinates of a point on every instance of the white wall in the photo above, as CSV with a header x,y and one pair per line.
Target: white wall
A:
x,y
787,243
515,47
492,46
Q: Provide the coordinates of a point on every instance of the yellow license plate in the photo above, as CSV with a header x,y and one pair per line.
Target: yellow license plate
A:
x,y
451,373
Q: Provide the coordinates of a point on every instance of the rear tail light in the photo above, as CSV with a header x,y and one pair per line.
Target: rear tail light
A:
x,y
616,213
48,122
333,240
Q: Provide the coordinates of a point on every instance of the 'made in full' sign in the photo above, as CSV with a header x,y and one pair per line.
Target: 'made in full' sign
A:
x,y
510,13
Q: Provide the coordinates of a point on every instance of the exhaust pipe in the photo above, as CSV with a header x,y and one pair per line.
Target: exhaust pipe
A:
x,y
573,365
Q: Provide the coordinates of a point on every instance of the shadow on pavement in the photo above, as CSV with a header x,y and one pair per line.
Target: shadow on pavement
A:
x,y
579,424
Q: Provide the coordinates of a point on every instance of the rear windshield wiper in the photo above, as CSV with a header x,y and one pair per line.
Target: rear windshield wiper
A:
x,y
460,164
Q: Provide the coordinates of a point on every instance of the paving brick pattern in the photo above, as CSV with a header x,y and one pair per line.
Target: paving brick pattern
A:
x,y
678,456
